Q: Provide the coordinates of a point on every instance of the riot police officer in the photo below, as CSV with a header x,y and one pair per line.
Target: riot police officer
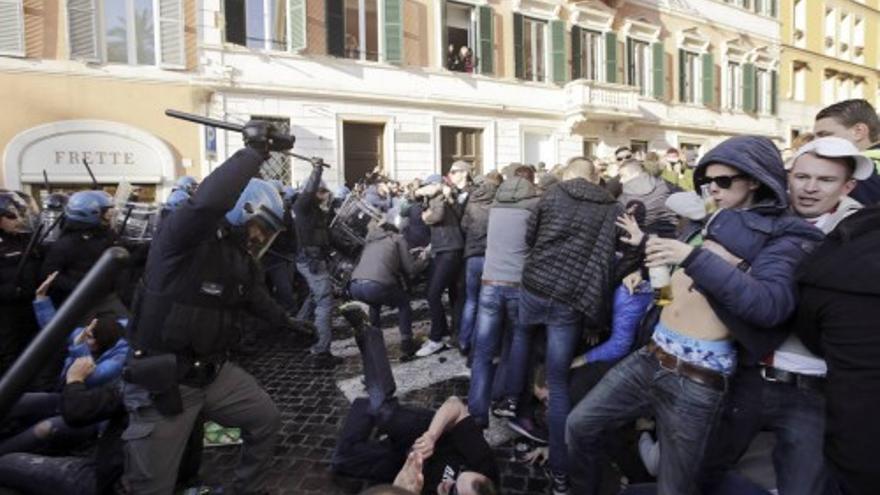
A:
x,y
85,235
201,277
187,184
18,279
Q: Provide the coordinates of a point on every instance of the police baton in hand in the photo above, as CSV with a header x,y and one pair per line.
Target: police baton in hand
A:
x,y
281,140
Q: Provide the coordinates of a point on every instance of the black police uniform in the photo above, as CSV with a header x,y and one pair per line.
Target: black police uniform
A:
x,y
199,283
17,321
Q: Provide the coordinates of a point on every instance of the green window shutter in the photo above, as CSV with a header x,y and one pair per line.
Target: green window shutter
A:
x,y
682,68
708,79
748,87
296,24
518,59
575,52
485,57
774,7
335,19
611,57
757,5
630,65
659,73
557,49
774,90
443,38
394,31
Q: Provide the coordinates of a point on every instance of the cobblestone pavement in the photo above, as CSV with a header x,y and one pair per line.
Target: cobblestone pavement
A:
x,y
313,408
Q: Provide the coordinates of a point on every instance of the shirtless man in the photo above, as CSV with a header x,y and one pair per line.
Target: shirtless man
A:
x,y
735,278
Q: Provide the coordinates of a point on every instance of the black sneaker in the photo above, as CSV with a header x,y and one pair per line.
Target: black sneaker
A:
x,y
408,349
327,360
559,483
527,428
505,408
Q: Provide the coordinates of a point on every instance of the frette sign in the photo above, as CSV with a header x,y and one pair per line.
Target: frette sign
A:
x,y
114,151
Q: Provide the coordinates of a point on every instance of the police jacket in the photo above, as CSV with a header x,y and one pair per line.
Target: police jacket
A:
x,y
73,255
199,279
15,295
312,231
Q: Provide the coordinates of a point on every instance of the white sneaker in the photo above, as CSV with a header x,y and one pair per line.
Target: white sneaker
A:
x,y
430,347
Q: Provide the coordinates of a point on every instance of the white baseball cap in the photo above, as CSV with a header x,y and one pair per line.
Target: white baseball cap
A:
x,y
835,147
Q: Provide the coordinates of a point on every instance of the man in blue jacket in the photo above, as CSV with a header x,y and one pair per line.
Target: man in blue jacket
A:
x,y
736,281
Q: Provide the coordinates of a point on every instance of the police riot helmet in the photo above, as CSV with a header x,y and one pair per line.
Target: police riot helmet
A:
x,y
56,201
88,207
259,211
16,205
187,184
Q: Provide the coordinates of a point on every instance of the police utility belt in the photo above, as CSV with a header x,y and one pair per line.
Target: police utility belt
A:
x,y
161,375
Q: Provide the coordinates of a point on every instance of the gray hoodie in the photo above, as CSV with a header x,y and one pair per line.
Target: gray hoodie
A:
x,y
506,247
385,258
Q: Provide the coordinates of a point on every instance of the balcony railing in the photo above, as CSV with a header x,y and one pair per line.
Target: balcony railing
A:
x,y
601,101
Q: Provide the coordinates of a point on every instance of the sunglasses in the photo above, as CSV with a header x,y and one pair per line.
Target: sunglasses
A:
x,y
622,158
722,181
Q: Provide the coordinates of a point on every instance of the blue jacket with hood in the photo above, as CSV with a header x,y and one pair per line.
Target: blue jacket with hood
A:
x,y
753,302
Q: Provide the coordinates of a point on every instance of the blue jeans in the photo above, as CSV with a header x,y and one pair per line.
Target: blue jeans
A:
x,y
685,411
377,295
563,334
498,314
41,475
797,418
473,277
321,295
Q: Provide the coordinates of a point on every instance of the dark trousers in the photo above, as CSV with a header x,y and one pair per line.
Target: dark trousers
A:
x,y
41,427
377,295
473,279
280,277
445,272
797,418
41,475
357,453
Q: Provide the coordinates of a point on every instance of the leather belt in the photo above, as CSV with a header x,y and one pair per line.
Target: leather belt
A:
x,y
799,380
499,282
703,376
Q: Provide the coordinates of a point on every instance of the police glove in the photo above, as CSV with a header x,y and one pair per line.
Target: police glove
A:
x,y
264,137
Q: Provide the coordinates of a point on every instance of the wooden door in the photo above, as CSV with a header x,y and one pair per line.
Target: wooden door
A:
x,y
363,150
461,143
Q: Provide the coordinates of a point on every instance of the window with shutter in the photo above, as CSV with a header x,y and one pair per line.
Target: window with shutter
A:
x,y
748,87
466,34
774,92
708,79
611,57
518,58
12,28
659,73
575,52
393,31
335,19
486,54
82,29
296,25
557,48
172,53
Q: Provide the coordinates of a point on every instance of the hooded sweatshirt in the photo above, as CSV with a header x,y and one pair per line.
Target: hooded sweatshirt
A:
x,y
755,299
385,258
572,237
506,247
652,192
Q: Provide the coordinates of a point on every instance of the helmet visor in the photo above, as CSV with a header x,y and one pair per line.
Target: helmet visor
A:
x,y
260,234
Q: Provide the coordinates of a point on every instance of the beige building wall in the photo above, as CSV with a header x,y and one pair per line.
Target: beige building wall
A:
x,y
45,87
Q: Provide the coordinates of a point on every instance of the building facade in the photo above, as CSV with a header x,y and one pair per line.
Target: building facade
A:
x,y
374,83
830,53
90,80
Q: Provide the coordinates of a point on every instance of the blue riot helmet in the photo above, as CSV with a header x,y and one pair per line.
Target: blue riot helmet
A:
x,y
186,184
13,211
88,207
56,202
259,212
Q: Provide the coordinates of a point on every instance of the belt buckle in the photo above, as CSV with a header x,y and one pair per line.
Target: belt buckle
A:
x,y
768,378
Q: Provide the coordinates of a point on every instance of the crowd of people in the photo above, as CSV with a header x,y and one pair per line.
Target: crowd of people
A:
x,y
645,318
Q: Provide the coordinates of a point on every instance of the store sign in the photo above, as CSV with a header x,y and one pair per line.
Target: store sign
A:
x,y
114,152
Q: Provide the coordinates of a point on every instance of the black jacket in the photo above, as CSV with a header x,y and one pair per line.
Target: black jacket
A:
x,y
416,232
572,237
385,258
73,255
838,319
199,278
312,223
475,222
17,322
444,218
